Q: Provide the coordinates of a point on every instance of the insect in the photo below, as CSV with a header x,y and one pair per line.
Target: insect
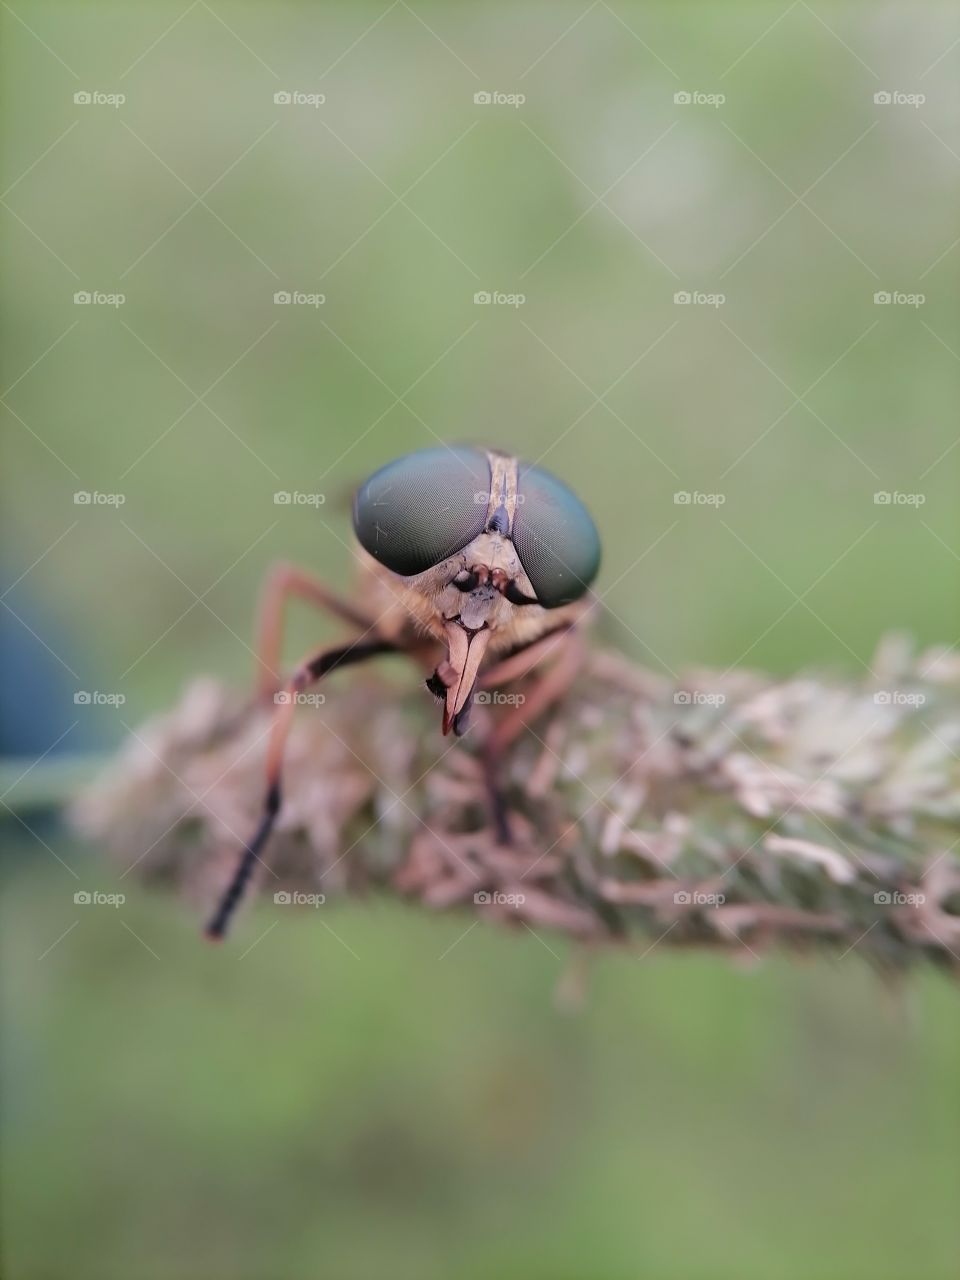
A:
x,y
477,566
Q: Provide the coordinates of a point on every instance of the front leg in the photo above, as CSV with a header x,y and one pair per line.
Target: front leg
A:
x,y
283,581
285,705
565,651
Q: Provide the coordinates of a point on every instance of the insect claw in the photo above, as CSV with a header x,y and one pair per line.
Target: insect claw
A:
x,y
436,685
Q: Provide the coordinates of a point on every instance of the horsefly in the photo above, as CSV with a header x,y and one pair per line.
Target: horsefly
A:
x,y
475,565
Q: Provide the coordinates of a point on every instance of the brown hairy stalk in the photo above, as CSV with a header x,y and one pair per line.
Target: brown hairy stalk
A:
x,y
736,811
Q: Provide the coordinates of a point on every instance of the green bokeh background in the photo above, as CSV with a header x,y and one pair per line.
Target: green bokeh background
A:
x,y
398,1098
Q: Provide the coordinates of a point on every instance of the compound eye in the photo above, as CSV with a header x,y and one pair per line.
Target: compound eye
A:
x,y
555,538
418,510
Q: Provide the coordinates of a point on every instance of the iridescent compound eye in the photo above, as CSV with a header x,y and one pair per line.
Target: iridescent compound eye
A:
x,y
418,510
556,539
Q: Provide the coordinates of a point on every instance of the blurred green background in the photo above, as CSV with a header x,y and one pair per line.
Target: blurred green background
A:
x,y
400,1099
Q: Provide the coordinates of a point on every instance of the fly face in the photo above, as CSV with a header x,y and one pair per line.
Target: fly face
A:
x,y
477,537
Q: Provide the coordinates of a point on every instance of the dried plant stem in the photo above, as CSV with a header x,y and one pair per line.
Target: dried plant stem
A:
x,y
737,811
